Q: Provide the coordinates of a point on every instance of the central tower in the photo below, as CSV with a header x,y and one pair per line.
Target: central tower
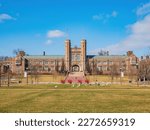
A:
x,y
83,55
75,58
68,54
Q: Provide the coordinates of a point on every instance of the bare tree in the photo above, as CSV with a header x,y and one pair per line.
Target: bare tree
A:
x,y
3,58
103,53
56,66
144,70
16,51
88,67
62,67
8,77
34,72
114,71
143,73
131,72
94,67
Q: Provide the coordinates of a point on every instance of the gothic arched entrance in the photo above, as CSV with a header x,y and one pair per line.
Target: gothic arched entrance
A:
x,y
75,68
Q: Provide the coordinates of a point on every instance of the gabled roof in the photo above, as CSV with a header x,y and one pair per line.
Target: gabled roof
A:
x,y
62,56
44,57
107,57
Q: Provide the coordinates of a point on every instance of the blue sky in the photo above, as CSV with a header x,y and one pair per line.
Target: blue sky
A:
x,y
43,25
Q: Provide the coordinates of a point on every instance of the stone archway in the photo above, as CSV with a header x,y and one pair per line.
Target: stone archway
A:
x,y
75,68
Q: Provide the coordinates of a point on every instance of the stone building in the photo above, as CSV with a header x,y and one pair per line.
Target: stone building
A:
x,y
74,60
144,68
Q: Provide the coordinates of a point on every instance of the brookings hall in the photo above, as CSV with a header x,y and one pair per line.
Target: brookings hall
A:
x,y
75,59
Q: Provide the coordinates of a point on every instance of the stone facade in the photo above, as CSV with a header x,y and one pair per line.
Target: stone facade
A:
x,y
74,60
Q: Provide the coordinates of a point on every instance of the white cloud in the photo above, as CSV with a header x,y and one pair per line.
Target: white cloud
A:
x,y
139,38
104,16
143,10
4,17
48,42
56,34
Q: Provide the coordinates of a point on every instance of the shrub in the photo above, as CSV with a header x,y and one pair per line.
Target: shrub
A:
x,y
87,81
70,81
80,81
62,81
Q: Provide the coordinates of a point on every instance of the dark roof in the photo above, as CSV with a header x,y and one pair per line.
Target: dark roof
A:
x,y
107,57
90,56
44,57
62,56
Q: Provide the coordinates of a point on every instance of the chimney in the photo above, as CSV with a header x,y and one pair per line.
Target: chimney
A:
x,y
129,53
142,57
43,53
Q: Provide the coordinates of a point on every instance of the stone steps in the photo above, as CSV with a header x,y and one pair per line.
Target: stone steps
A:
x,y
76,77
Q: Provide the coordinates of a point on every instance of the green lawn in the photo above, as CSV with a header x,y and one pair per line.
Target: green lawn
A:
x,y
64,98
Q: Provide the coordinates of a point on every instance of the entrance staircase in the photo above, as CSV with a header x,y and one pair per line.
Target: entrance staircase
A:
x,y
76,77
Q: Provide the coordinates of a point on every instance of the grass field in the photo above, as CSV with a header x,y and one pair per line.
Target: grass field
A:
x,y
64,98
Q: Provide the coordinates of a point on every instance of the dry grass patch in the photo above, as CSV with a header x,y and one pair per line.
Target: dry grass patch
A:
x,y
44,98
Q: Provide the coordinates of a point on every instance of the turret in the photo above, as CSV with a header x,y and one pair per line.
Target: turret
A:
x,y
83,54
67,54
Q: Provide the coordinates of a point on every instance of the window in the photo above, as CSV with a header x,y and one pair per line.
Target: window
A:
x,y
40,62
100,68
98,62
45,62
46,68
52,62
40,68
36,62
105,63
104,68
78,57
73,57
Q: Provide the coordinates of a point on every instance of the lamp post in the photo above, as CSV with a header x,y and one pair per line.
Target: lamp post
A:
x,y
137,73
8,78
121,76
27,74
